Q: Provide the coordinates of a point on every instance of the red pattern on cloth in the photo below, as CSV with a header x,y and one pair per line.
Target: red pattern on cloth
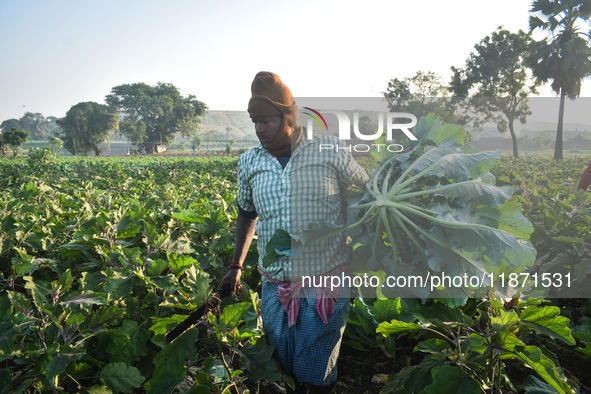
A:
x,y
585,178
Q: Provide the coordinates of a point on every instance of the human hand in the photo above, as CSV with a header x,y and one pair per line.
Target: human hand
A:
x,y
233,279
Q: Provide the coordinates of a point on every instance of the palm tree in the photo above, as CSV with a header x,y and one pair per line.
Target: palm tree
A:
x,y
564,56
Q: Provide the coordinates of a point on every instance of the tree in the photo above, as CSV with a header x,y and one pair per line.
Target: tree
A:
x,y
420,95
14,138
53,127
153,114
109,140
229,146
196,141
38,126
10,124
35,124
86,125
496,74
564,55
366,126
55,144
2,146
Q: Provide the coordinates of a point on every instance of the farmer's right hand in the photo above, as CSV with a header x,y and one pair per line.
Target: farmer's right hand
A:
x,y
233,279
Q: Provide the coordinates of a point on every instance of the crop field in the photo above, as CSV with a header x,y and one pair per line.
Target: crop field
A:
x,y
101,257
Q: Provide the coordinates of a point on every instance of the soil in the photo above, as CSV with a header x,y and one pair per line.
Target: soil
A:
x,y
576,366
359,373
363,372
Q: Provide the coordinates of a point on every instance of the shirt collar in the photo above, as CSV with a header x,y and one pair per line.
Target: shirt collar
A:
x,y
304,142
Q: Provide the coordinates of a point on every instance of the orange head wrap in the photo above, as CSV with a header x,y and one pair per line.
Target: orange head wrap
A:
x,y
270,97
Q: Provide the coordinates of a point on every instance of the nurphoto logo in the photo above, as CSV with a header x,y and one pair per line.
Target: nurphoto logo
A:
x,y
395,121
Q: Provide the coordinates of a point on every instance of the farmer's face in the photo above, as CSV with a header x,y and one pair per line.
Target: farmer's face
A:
x,y
267,128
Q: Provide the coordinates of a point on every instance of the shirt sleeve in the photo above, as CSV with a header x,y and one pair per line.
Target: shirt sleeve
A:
x,y
248,214
245,201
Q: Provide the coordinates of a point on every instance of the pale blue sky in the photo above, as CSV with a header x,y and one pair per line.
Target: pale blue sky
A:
x,y
58,53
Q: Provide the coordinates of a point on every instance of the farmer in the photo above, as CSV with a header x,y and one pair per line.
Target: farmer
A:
x,y
285,182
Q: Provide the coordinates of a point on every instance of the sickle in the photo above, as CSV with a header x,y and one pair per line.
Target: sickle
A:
x,y
212,303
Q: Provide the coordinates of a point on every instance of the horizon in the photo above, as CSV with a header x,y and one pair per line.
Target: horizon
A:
x,y
58,56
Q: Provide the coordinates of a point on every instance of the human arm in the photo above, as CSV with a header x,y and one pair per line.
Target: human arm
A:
x,y
244,233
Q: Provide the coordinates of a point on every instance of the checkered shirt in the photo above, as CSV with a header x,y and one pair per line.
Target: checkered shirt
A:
x,y
312,188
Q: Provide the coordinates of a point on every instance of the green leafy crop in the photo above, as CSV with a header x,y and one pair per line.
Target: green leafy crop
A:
x,y
474,353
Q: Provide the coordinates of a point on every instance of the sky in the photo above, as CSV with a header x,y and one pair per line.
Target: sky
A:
x,y
58,53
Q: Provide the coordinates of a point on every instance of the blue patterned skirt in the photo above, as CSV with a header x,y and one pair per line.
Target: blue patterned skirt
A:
x,y
307,351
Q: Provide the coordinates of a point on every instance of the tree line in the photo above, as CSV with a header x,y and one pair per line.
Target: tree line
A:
x,y
493,86
146,115
504,69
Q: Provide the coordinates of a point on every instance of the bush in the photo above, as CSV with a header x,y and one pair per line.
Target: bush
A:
x,y
41,156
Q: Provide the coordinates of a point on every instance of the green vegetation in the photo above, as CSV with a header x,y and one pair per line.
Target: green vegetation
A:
x,y
155,114
496,77
100,258
14,139
196,142
85,126
38,126
229,146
